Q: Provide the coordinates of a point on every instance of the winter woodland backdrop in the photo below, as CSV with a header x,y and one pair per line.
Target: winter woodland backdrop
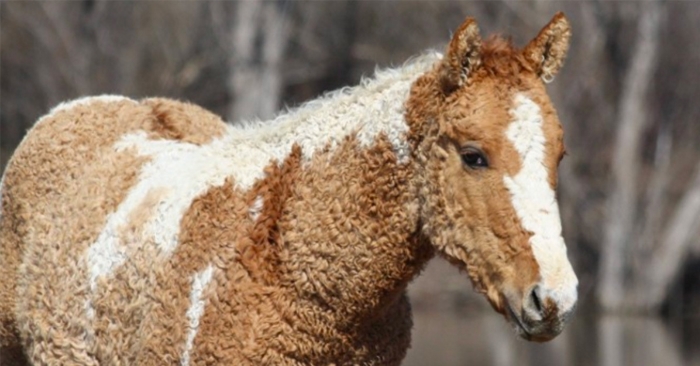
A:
x,y
628,98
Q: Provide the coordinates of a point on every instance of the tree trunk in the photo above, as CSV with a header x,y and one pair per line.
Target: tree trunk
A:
x,y
259,39
626,163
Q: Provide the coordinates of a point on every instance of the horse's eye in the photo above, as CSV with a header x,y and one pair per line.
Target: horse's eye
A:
x,y
474,158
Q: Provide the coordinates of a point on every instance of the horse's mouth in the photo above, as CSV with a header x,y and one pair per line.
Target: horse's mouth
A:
x,y
517,323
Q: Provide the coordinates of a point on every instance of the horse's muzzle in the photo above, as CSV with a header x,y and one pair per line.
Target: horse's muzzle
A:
x,y
541,314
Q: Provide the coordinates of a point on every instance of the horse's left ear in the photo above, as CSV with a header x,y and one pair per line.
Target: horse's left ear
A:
x,y
462,58
548,50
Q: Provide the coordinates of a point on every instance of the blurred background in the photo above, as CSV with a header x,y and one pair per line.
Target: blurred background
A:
x,y
629,99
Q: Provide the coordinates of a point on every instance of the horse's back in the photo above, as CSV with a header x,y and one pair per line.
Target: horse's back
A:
x,y
62,183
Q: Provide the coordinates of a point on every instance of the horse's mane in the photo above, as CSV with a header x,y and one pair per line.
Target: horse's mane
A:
x,y
500,58
381,79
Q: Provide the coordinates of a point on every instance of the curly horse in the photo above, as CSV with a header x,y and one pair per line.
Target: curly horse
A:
x,y
151,232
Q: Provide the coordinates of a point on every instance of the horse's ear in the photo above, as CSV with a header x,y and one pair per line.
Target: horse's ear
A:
x,y
548,50
462,57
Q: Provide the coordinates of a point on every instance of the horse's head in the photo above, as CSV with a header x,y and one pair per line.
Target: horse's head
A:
x,y
490,145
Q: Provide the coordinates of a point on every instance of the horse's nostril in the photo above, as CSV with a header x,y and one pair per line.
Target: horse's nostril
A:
x,y
535,299
535,302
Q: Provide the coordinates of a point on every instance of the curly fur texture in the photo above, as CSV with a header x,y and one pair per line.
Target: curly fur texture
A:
x,y
150,232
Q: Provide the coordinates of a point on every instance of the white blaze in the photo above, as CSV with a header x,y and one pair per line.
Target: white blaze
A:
x,y
536,205
194,313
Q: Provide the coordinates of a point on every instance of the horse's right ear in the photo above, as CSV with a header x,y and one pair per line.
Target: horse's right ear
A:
x,y
547,51
462,57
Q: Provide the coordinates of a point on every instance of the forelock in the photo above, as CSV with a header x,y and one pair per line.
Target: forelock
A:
x,y
500,58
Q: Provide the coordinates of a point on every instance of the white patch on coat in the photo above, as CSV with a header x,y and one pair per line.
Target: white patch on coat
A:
x,y
185,170
107,252
535,203
199,282
256,208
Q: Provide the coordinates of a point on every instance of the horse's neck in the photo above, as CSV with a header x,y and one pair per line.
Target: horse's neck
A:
x,y
350,233
349,226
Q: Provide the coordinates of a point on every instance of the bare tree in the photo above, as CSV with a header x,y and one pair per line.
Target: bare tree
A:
x,y
640,255
259,39
626,164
